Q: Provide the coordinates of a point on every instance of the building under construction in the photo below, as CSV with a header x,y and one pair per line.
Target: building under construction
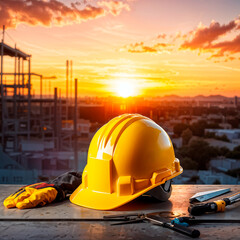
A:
x,y
38,137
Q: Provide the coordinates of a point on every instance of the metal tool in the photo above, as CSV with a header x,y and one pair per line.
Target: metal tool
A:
x,y
125,218
216,206
155,219
186,221
204,196
194,233
138,217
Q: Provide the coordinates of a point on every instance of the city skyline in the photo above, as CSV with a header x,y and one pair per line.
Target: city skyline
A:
x,y
130,48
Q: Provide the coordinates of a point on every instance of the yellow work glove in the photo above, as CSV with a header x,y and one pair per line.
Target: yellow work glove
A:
x,y
38,194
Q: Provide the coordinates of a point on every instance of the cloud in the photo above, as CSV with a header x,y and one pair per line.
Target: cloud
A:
x,y
220,40
163,36
203,37
209,39
54,12
142,48
114,7
229,47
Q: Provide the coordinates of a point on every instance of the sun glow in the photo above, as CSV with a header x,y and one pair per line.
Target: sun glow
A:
x,y
125,88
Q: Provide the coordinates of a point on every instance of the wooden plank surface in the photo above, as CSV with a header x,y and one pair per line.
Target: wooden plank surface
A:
x,y
178,203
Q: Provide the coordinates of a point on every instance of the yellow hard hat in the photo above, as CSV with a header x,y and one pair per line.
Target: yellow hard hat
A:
x,y
127,157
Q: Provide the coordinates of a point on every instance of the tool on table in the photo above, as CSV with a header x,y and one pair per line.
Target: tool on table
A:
x,y
138,217
126,218
194,233
216,206
186,221
204,196
155,219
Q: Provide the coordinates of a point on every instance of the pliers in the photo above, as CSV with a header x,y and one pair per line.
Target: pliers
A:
x,y
126,218
154,219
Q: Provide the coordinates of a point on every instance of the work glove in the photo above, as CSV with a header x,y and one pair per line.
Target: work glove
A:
x,y
31,196
40,194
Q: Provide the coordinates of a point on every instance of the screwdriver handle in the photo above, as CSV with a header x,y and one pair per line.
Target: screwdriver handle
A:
x,y
199,209
191,232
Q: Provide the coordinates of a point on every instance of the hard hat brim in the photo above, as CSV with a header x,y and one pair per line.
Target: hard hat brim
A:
x,y
103,201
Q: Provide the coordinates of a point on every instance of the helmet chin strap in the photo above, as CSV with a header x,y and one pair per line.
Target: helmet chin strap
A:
x,y
162,192
166,186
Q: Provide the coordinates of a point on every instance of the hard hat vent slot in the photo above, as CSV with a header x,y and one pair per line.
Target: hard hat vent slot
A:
x,y
125,186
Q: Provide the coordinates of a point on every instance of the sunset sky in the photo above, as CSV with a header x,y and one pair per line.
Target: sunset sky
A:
x,y
131,47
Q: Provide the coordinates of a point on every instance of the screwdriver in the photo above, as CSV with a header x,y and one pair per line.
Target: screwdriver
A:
x,y
186,221
216,206
194,233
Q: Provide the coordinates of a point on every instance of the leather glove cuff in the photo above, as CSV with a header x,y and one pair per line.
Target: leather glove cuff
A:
x,y
65,184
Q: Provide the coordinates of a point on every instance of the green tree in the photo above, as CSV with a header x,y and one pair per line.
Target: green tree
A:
x,y
209,135
193,179
186,136
234,154
222,138
198,128
188,164
213,125
179,128
213,135
223,151
199,151
234,172
216,182
237,148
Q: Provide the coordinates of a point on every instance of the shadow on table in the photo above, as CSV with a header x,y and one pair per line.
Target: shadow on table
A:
x,y
145,203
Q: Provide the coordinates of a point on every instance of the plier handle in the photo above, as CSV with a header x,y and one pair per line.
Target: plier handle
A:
x,y
126,218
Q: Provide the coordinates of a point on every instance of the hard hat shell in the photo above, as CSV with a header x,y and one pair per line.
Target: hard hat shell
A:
x,y
127,157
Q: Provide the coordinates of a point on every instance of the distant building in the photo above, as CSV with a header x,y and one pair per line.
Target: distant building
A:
x,y
177,142
36,145
210,177
12,172
214,117
231,134
83,126
55,163
236,101
225,164
225,125
185,177
218,143
236,141
204,177
195,119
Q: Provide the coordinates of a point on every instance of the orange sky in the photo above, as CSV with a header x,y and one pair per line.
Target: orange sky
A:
x,y
131,47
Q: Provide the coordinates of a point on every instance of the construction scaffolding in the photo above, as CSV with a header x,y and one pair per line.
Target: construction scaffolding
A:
x,y
26,118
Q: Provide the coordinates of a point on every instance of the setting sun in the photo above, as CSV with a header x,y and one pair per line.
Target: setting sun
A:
x,y
125,88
